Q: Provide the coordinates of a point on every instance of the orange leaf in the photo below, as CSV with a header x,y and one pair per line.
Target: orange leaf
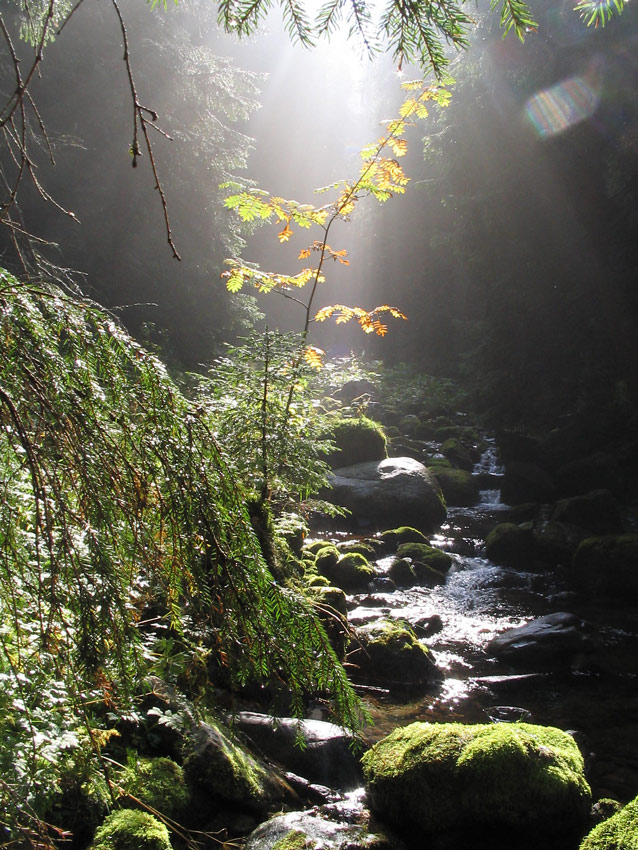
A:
x,y
314,356
285,234
304,254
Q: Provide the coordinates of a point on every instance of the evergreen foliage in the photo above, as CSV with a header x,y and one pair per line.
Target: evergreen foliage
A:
x,y
125,548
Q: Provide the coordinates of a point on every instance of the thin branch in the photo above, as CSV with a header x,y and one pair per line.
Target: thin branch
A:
x,y
141,123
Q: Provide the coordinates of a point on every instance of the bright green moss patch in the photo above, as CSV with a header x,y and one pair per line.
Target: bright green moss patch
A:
x,y
358,440
158,783
394,537
130,829
293,840
449,776
425,554
619,832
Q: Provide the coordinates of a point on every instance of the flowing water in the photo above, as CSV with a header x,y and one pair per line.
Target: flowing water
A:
x,y
596,698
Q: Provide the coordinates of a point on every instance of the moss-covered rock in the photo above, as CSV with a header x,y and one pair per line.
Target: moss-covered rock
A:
x,y
387,652
607,565
403,573
422,553
351,571
458,454
450,778
459,486
130,829
315,547
361,547
326,558
358,440
512,545
226,772
619,832
392,538
596,512
158,783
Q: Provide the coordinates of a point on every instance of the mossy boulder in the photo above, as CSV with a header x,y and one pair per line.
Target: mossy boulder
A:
x,y
326,558
351,571
607,566
388,653
422,553
358,440
458,454
596,512
619,832
431,779
227,773
459,486
131,829
598,471
158,783
403,573
511,545
315,547
392,538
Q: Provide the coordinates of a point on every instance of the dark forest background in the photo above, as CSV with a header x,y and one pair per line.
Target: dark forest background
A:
x,y
513,252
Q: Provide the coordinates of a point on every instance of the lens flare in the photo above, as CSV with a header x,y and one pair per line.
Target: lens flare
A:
x,y
562,106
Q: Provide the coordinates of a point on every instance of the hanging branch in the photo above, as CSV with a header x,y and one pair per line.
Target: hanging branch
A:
x,y
141,123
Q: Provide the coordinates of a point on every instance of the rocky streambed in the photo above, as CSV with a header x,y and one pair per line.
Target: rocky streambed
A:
x,y
482,599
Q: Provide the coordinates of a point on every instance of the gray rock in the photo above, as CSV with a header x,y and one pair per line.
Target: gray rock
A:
x,y
550,642
325,757
312,831
398,491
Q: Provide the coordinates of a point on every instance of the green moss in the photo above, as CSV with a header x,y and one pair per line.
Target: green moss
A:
x,y
352,571
293,840
619,832
360,547
402,573
425,554
130,829
457,454
316,547
511,545
394,537
158,783
224,769
388,652
358,440
458,485
451,775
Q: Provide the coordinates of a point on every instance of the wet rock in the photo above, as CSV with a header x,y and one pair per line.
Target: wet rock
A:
x,y
427,626
596,512
501,780
525,482
550,642
388,653
391,491
332,609
326,756
316,830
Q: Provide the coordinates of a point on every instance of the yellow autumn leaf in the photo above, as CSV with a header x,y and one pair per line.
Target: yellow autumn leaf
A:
x,y
314,356
304,254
